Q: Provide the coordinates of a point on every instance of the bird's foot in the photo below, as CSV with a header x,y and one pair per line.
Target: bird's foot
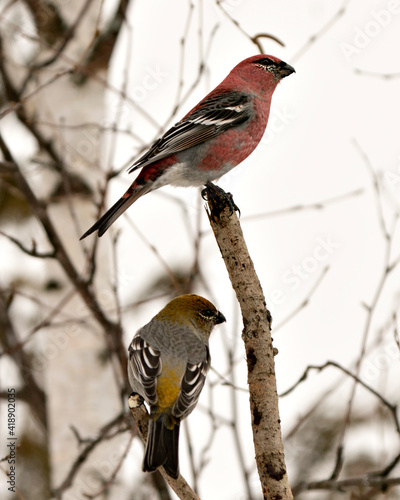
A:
x,y
218,198
135,400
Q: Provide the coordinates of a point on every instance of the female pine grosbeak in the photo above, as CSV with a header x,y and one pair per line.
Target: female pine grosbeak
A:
x,y
168,363
215,136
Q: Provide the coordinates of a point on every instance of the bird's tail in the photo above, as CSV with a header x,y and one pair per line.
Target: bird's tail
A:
x,y
162,448
112,214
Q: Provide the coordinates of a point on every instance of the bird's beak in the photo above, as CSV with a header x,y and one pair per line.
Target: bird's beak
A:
x,y
220,318
285,69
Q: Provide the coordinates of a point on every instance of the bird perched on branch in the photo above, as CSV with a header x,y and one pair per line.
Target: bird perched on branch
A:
x,y
168,363
214,137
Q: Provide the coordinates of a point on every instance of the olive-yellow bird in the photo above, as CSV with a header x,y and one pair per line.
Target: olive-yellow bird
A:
x,y
168,362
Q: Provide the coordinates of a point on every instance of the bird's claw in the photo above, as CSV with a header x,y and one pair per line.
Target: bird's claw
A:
x,y
135,400
219,198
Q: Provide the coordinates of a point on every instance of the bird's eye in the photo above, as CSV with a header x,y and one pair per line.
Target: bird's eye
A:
x,y
264,62
207,313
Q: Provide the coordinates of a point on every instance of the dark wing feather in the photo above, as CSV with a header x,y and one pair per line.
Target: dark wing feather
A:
x,y
191,386
215,115
145,364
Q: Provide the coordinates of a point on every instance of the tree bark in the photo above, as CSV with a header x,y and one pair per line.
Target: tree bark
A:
x,y
257,339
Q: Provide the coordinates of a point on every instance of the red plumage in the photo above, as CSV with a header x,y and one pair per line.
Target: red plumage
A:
x,y
214,137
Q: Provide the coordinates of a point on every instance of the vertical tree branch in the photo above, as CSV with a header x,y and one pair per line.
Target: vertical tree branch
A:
x,y
257,339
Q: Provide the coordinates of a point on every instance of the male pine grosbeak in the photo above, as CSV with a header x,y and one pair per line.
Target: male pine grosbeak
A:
x,y
168,363
215,136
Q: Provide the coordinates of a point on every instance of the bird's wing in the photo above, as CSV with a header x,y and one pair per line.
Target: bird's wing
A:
x,y
145,364
213,116
191,386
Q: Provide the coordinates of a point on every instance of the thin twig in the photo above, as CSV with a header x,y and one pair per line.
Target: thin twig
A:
x,y
106,432
319,205
319,368
32,252
380,483
254,39
113,332
305,302
385,76
370,310
69,35
319,34
114,473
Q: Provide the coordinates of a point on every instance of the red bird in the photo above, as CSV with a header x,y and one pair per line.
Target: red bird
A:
x,y
215,136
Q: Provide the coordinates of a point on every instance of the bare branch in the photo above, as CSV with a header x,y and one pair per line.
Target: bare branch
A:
x,y
114,473
305,302
390,406
388,238
139,413
258,344
106,432
379,483
385,76
319,205
113,331
254,39
68,36
32,252
375,182
160,258
74,66
319,34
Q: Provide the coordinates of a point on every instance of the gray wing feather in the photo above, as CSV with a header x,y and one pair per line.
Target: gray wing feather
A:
x,y
145,366
191,387
215,115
